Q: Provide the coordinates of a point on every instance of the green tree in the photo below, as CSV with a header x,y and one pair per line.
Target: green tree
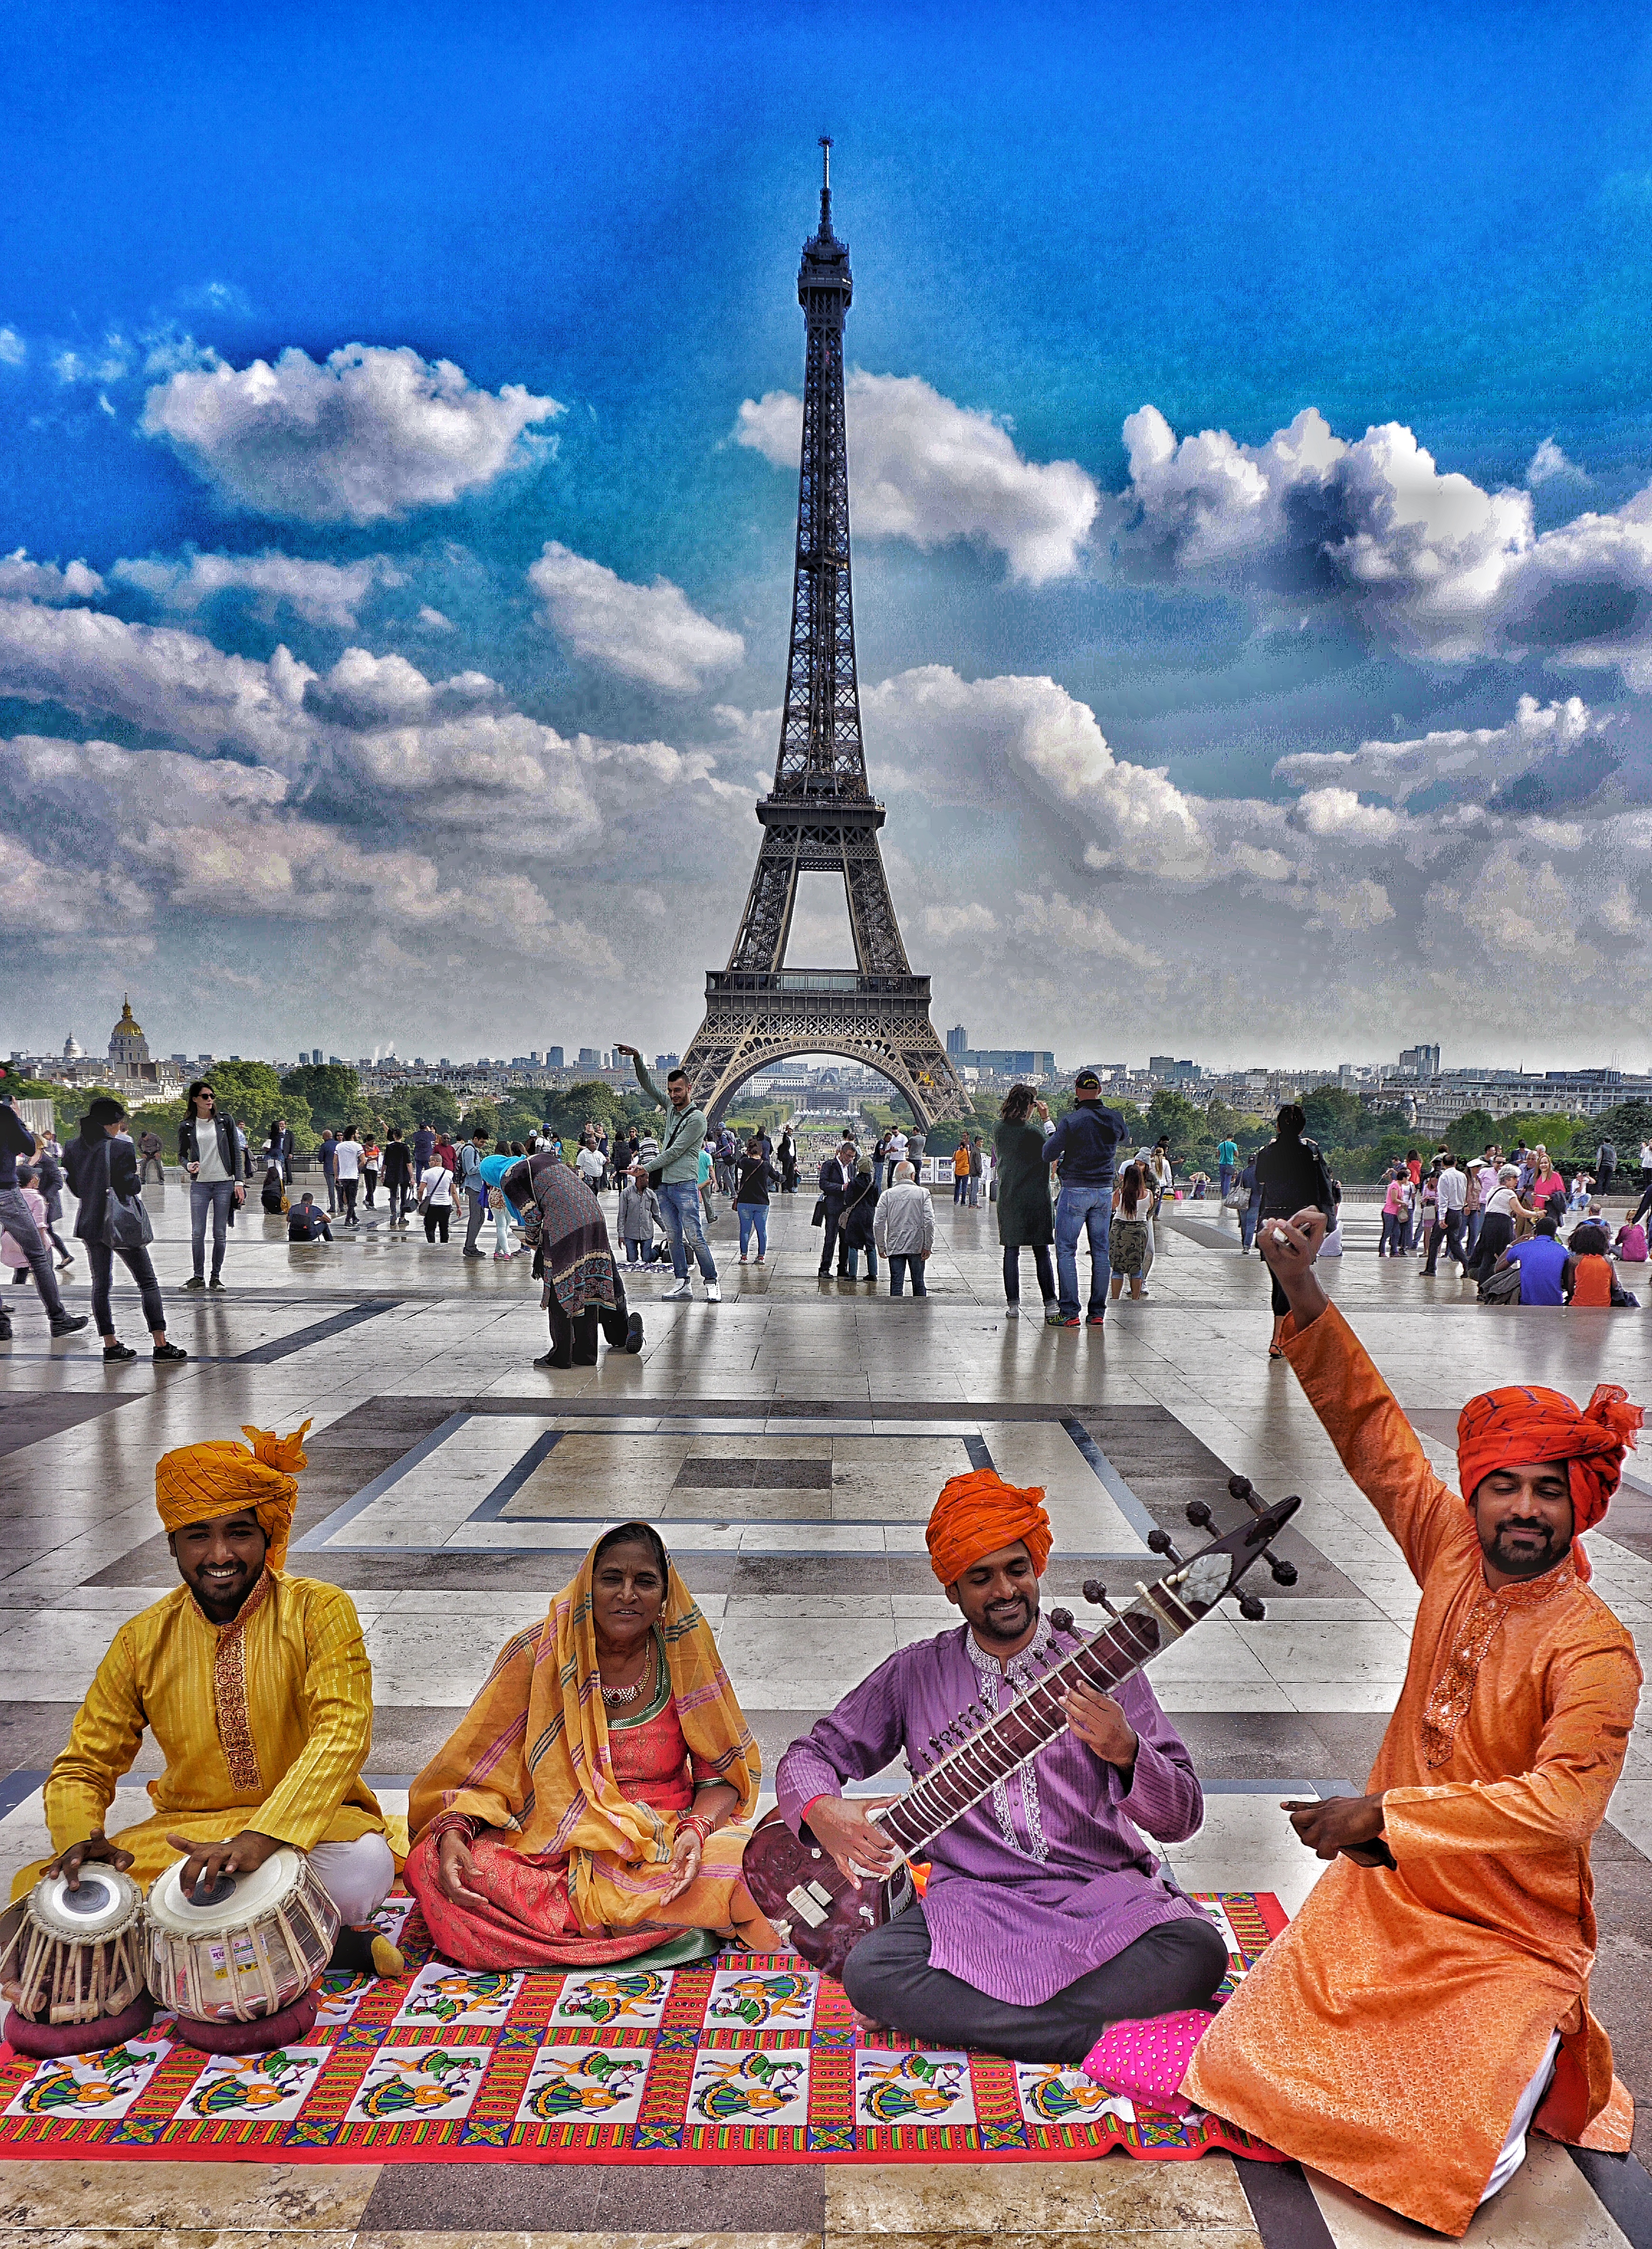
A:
x,y
482,1116
592,1102
1625,1126
331,1089
409,1106
1170,1112
1334,1115
1472,1133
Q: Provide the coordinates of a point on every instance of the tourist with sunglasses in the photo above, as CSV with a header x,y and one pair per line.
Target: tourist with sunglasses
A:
x,y
209,1151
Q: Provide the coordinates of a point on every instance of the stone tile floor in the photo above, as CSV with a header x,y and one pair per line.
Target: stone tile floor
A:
x,y
789,1442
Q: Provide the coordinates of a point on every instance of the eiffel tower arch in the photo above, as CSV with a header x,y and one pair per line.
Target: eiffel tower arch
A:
x,y
820,817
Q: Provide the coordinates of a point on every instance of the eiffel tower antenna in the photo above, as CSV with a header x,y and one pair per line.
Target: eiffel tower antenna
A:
x,y
820,817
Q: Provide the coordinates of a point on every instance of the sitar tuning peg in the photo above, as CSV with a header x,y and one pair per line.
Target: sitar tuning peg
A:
x,y
1199,1514
1285,1573
1095,1594
1061,1619
1160,1542
1239,1487
1251,1608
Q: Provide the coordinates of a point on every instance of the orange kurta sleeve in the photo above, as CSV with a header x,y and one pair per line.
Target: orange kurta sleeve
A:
x,y
1377,1446
481,1769
1559,1803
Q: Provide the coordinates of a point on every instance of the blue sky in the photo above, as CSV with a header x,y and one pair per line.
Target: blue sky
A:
x,y
319,333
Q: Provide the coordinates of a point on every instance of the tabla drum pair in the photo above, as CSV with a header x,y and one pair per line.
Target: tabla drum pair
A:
x,y
71,1959
238,1965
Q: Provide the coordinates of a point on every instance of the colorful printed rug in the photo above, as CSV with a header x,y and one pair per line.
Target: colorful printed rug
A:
x,y
743,2059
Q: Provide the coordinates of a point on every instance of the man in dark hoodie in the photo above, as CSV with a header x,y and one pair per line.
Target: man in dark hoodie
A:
x,y
1084,1145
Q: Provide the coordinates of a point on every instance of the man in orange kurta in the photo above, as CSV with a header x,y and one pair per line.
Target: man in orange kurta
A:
x,y
1402,2031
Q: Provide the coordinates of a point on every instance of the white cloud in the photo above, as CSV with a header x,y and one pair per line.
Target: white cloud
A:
x,y
1549,461
107,365
23,580
13,350
925,469
371,433
648,633
433,620
1430,562
948,923
364,691
320,593
1460,755
1070,926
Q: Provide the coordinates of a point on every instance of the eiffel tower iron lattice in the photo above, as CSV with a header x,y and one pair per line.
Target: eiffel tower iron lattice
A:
x,y
820,817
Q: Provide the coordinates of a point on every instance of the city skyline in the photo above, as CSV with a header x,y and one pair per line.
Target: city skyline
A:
x,y
1252,546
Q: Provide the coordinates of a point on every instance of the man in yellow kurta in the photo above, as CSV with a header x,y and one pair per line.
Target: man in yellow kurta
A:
x,y
1430,2000
256,1687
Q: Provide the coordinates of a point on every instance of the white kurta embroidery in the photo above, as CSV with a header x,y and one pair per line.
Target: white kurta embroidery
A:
x,y
1018,1674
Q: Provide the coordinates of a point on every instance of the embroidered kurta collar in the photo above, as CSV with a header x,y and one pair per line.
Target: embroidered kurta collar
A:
x,y
1453,1691
1017,1674
229,1688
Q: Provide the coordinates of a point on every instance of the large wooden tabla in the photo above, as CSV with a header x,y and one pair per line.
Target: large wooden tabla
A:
x,y
75,1955
256,1941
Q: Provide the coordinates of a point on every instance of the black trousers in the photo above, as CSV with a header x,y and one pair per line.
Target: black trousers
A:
x,y
347,1191
830,1240
1042,1266
101,1259
573,1342
890,1980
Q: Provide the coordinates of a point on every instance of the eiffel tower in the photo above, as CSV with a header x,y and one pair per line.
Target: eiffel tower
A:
x,y
819,817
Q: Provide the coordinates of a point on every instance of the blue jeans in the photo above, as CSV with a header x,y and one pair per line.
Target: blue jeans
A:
x,y
871,1264
1248,1218
1081,1210
753,1218
1226,1178
679,1209
897,1266
214,1196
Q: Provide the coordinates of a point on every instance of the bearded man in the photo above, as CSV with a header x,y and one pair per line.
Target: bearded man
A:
x,y
1430,2000
1046,1916
258,1692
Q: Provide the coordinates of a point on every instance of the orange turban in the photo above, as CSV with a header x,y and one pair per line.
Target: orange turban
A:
x,y
197,1483
978,1513
1506,1428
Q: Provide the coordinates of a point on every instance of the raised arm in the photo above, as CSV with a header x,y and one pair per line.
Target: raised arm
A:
x,y
1362,1415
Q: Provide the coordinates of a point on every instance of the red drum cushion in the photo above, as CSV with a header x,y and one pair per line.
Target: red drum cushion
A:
x,y
48,2041
288,2025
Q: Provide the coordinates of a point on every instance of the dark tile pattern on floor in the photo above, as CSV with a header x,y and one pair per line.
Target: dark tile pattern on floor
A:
x,y
27,1419
678,2199
698,1474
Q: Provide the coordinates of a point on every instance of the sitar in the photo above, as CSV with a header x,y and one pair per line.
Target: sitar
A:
x,y
822,1913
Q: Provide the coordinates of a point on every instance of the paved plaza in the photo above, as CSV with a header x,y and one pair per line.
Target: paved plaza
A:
x,y
789,1442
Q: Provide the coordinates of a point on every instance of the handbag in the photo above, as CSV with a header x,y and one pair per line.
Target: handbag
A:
x,y
819,1216
126,1224
496,1198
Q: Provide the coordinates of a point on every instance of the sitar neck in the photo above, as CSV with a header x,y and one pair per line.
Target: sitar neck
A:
x,y
972,1768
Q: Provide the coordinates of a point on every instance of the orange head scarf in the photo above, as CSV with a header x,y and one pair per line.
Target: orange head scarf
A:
x,y
978,1513
1506,1428
197,1483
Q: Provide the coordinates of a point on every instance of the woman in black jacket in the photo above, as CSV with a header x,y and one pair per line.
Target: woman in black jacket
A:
x,y
102,1165
1290,1175
860,1205
209,1151
755,1177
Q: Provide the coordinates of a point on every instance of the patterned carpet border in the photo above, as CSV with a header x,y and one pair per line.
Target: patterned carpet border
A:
x,y
742,2060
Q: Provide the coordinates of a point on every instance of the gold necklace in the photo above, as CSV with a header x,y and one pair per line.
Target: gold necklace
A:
x,y
619,1696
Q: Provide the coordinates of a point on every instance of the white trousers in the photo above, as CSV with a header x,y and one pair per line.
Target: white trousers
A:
x,y
1527,2108
356,1876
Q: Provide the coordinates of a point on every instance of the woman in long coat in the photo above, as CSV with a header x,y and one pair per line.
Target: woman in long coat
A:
x,y
1026,1218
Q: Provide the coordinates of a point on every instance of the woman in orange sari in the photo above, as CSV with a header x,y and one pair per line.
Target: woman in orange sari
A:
x,y
591,1803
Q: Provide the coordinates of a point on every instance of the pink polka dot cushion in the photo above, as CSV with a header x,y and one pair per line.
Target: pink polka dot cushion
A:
x,y
1147,2059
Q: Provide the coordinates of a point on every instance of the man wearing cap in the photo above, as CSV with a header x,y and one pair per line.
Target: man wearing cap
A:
x,y
1046,1916
1430,2000
256,1687
1084,1145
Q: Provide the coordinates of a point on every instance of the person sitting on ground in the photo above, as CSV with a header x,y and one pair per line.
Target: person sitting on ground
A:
x,y
903,1230
591,1802
1586,1278
563,1225
307,1221
1455,1921
1542,1262
257,1690
1630,1246
1047,1915
272,1195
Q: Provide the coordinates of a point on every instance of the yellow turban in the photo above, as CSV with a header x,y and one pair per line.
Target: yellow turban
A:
x,y
198,1483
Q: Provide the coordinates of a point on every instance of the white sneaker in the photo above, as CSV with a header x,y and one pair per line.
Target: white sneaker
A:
x,y
680,1288
1012,1311
713,1294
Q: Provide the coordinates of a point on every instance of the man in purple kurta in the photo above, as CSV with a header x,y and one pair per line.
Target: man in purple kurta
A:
x,y
1047,1916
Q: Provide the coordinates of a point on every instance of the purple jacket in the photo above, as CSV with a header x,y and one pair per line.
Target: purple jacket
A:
x,y
1047,1878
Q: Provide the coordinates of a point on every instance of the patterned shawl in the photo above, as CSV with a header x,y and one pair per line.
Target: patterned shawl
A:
x,y
571,1233
533,1751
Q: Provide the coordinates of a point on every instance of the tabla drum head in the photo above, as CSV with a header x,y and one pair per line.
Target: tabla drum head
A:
x,y
103,1901
237,1899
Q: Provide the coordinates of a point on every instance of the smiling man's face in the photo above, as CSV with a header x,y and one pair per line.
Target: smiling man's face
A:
x,y
221,1561
1524,1516
998,1597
